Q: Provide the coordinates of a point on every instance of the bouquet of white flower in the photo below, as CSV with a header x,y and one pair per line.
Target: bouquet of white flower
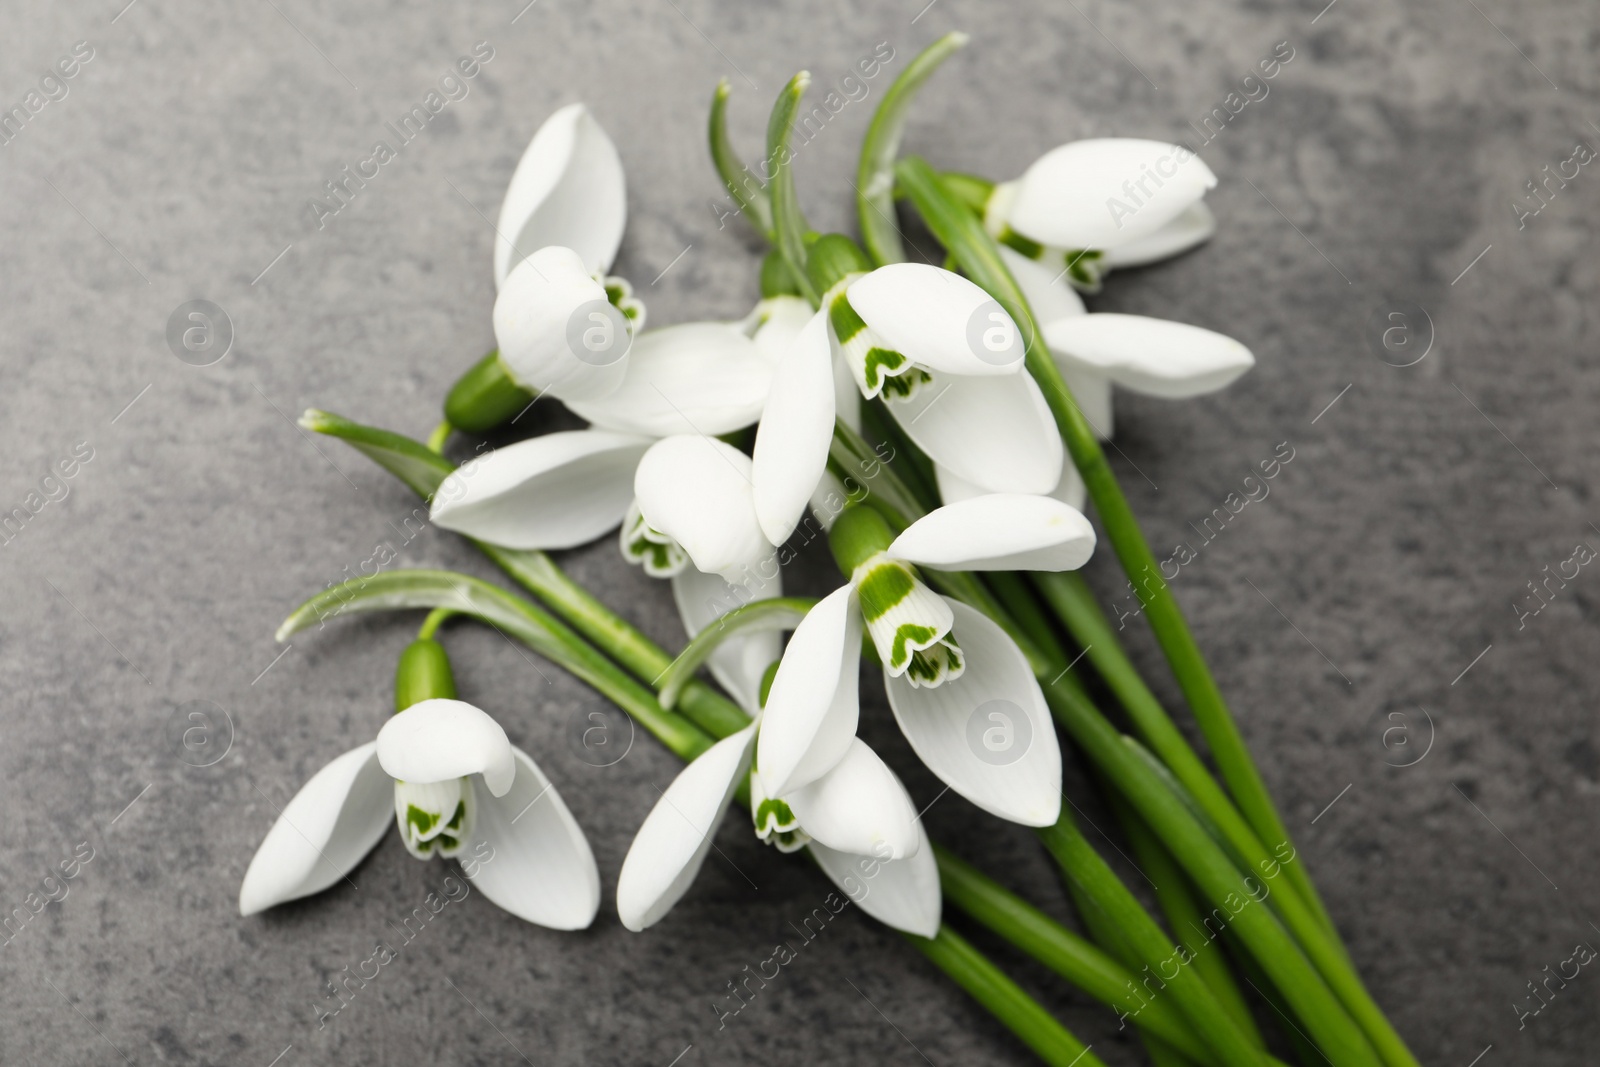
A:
x,y
940,428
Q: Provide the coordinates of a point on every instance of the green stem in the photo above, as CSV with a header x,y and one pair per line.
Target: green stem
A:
x,y
431,624
1105,933
1004,999
440,434
1064,952
1205,861
1152,947
1073,602
1183,913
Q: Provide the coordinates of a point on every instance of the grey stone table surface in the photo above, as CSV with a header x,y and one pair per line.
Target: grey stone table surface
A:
x,y
1432,746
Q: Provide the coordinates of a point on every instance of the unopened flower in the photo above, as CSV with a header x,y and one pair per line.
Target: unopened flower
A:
x,y
444,772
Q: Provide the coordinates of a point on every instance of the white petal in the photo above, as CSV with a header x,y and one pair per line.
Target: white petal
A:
x,y
697,377
999,532
568,189
321,834
1049,293
859,806
438,739
672,844
953,488
987,734
994,432
796,430
939,319
1193,227
740,662
781,318
697,491
529,855
1151,356
557,331
1091,391
559,490
1085,194
813,707
903,894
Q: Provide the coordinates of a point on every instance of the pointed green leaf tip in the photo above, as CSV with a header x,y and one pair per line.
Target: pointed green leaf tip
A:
x,y
787,221
746,187
875,171
410,461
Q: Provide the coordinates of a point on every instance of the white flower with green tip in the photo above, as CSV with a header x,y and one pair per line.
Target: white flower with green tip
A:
x,y
444,772
946,665
565,489
945,357
857,821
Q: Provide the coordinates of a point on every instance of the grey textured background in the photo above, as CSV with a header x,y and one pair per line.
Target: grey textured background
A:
x,y
1387,557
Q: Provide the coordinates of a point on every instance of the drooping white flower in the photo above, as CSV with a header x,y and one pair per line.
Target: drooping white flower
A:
x,y
1090,205
947,360
444,772
1153,357
857,820
567,488
563,326
952,674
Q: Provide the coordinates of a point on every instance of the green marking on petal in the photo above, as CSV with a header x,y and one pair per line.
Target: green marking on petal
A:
x,y
846,323
421,821
456,820
937,664
884,586
905,386
906,634
1084,269
881,365
648,547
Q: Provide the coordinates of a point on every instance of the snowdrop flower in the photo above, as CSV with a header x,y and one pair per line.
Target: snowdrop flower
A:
x,y
565,489
945,357
444,772
1153,357
1107,202
857,821
563,327
962,692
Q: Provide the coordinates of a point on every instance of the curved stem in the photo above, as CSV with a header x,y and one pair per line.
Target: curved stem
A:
x,y
431,624
787,220
875,169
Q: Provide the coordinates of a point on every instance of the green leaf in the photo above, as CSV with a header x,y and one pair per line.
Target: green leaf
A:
x,y
787,220
744,186
512,616
875,171
761,616
408,460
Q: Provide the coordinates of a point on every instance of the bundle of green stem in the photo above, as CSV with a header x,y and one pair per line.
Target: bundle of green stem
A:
x,y
1240,909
